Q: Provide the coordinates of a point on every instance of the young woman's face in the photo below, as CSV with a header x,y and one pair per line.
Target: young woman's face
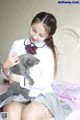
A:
x,y
37,33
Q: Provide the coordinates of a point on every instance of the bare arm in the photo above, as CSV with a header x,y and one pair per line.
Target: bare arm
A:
x,y
11,61
14,77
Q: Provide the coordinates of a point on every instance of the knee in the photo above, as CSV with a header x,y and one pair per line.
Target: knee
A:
x,y
12,107
9,107
35,111
28,113
14,110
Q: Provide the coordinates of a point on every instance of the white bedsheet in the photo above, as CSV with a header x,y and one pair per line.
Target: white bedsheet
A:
x,y
74,115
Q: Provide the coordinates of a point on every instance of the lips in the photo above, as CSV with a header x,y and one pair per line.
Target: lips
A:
x,y
34,40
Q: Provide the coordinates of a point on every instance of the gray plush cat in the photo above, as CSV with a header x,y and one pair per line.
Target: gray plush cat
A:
x,y
26,61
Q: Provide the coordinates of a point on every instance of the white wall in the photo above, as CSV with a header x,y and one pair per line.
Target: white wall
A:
x,y
15,18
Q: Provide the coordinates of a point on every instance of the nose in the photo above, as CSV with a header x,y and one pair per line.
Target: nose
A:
x,y
35,37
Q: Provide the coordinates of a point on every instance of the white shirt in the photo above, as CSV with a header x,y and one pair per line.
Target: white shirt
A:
x,y
41,73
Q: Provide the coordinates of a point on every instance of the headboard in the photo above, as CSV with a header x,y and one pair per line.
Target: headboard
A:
x,y
67,40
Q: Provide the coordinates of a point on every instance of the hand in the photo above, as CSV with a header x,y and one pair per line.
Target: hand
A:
x,y
12,60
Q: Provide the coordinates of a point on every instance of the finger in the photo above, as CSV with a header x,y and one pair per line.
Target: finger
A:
x,y
15,58
13,54
17,62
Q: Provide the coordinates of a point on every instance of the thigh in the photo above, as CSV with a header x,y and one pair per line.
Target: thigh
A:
x,y
36,111
14,110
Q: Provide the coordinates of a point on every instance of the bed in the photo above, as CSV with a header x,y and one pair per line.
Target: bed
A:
x,y
66,85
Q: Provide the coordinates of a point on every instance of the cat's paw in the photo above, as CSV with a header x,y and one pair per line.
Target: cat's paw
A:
x,y
31,82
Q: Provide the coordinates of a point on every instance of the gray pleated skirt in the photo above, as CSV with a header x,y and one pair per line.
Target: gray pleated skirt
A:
x,y
59,109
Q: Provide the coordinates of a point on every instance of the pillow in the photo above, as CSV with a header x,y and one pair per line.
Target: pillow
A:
x,y
74,94
67,90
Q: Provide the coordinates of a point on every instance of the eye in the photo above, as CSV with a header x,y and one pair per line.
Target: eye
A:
x,y
41,35
33,29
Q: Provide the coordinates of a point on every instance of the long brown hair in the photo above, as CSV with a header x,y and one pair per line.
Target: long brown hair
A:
x,y
50,24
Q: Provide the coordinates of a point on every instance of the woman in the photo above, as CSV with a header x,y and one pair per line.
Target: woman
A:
x,y
40,43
